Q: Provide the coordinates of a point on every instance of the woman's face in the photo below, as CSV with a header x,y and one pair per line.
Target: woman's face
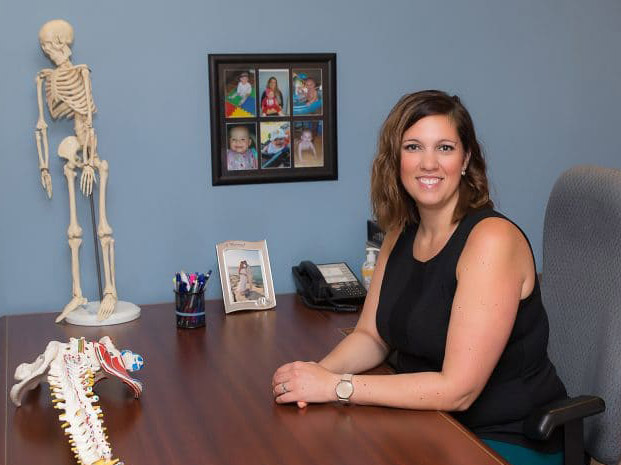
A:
x,y
432,158
271,83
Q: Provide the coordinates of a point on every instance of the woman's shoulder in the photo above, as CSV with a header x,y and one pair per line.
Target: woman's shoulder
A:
x,y
488,222
495,234
497,247
495,230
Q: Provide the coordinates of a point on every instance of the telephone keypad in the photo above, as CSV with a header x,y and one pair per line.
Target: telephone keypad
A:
x,y
352,289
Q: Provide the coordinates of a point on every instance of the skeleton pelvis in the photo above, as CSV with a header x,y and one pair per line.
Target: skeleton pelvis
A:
x,y
69,148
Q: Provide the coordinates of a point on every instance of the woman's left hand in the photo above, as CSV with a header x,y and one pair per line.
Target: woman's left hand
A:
x,y
304,382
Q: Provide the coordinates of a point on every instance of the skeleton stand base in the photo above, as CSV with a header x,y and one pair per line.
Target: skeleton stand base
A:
x,y
86,315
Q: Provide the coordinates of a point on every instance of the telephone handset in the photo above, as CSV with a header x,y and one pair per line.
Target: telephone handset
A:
x,y
331,286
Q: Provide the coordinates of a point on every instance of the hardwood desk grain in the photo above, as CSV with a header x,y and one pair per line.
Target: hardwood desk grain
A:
x,y
207,397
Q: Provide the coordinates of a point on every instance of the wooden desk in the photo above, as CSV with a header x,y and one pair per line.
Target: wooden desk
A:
x,y
207,397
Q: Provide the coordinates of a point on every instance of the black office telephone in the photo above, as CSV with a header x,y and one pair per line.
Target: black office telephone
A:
x,y
331,286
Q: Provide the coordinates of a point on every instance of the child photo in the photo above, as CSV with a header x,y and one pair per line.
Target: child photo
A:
x,y
241,148
275,145
241,96
308,143
272,118
307,92
246,275
274,92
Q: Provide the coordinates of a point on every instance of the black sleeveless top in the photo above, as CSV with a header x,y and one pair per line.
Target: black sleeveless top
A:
x,y
413,316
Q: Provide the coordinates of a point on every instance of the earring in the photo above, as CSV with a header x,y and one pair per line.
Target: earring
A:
x,y
463,172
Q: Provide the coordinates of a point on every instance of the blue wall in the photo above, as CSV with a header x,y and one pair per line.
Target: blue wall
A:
x,y
541,78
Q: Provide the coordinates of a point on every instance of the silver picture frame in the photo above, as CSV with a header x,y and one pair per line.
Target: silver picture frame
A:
x,y
245,276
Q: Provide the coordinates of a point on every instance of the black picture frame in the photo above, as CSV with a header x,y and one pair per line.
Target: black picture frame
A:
x,y
273,117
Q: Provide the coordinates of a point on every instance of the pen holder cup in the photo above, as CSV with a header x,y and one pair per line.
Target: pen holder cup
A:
x,y
190,309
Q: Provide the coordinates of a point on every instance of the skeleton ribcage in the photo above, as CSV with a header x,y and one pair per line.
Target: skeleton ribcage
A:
x,y
65,91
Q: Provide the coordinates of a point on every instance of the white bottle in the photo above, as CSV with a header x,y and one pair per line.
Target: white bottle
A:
x,y
368,267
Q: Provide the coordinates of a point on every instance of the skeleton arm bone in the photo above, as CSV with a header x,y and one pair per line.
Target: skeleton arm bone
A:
x,y
89,150
89,115
41,138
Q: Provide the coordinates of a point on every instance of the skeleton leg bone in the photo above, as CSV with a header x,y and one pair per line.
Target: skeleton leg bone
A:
x,y
104,231
74,232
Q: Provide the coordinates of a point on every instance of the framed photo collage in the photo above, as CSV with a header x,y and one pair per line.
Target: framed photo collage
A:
x,y
273,118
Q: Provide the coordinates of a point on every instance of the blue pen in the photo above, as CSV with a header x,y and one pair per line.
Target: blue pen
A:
x,y
201,282
205,278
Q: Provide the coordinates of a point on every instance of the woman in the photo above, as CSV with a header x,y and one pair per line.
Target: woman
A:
x,y
454,293
272,83
244,286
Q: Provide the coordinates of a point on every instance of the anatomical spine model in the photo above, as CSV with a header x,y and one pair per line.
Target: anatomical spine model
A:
x,y
72,370
68,94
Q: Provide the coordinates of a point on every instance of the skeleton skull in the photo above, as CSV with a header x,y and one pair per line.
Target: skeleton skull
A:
x,y
55,37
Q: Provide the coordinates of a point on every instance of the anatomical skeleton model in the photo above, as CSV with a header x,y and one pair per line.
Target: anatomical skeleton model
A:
x,y
68,95
72,369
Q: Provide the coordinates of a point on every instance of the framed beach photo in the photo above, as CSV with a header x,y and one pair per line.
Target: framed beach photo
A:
x,y
273,118
245,275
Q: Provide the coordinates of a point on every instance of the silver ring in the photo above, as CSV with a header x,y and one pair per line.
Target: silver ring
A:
x,y
284,388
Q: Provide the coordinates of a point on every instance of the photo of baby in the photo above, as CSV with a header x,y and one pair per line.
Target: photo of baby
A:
x,y
275,145
274,88
245,275
272,117
241,151
307,92
240,94
308,144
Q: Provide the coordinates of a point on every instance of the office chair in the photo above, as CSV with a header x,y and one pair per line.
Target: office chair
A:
x,y
581,290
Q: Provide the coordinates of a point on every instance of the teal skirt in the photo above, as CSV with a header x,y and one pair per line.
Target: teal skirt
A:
x,y
518,455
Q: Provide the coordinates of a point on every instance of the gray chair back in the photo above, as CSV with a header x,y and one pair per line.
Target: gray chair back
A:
x,y
581,290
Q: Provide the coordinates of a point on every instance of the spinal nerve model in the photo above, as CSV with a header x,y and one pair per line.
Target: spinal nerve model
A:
x,y
72,370
68,95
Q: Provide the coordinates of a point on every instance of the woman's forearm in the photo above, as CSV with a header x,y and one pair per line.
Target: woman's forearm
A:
x,y
419,391
358,352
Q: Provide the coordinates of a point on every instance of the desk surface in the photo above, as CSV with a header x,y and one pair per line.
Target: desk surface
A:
x,y
207,397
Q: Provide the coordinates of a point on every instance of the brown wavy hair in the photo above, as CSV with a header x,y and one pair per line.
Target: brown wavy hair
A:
x,y
392,206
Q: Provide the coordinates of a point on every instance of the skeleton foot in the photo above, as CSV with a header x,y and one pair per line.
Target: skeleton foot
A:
x,y
70,307
107,307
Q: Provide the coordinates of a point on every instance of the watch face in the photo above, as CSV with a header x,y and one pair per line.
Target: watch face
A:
x,y
344,389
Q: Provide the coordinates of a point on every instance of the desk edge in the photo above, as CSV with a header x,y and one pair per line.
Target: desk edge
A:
x,y
470,436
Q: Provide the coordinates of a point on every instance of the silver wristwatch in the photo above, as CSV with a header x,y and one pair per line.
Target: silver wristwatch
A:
x,y
345,389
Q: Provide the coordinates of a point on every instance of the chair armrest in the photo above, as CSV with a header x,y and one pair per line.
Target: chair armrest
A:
x,y
541,423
